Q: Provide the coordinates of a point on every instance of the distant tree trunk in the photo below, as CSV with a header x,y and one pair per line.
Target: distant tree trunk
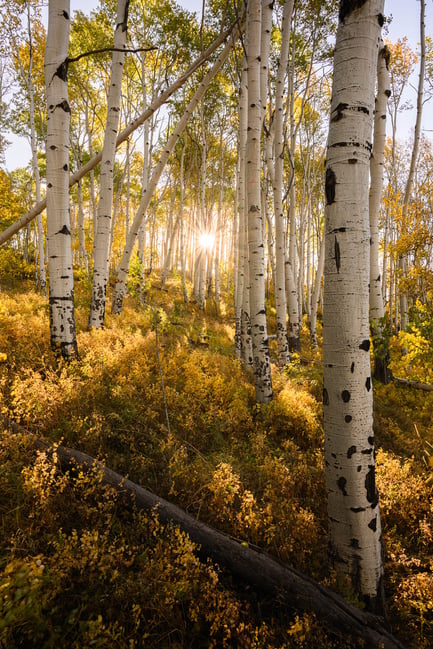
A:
x,y
316,294
120,288
261,362
380,346
413,160
35,165
353,504
61,293
101,249
280,224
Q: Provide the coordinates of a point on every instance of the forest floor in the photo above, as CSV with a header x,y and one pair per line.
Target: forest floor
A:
x,y
158,397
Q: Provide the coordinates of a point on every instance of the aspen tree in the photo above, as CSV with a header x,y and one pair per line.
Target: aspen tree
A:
x,y
413,160
280,224
101,248
61,280
261,362
375,196
355,539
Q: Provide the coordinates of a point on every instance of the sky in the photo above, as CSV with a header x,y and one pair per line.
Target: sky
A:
x,y
405,22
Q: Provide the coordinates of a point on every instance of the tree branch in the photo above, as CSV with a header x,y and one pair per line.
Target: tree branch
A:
x,y
109,49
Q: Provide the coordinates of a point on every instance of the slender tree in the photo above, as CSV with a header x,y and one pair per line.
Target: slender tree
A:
x,y
380,347
353,503
61,280
261,362
101,246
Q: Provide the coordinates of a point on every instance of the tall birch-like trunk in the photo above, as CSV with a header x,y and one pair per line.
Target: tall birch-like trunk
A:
x,y
242,254
355,538
380,346
35,165
316,294
120,288
261,362
280,223
101,251
419,104
61,279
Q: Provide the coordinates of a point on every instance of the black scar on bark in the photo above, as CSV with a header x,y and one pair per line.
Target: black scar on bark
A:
x,y
339,112
340,230
348,419
354,543
64,230
386,53
351,451
368,384
330,182
341,482
381,20
64,106
352,161
65,15
365,345
345,395
357,510
373,524
62,70
337,254
325,397
370,486
352,367
347,6
371,440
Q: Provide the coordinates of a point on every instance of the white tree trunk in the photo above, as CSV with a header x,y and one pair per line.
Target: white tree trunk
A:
x,y
375,197
353,511
35,164
120,288
316,294
419,104
280,221
101,248
61,280
261,362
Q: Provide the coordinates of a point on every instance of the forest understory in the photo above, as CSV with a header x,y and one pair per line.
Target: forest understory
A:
x,y
158,397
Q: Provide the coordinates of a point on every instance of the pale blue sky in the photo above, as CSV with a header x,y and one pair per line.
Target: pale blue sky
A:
x,y
405,22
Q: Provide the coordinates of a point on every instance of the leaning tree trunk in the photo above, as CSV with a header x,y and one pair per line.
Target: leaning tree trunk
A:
x,y
353,503
61,280
261,362
380,346
101,248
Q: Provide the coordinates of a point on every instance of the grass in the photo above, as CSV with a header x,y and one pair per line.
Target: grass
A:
x,y
78,570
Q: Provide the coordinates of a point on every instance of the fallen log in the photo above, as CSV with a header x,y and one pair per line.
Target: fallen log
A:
x,y
265,573
413,384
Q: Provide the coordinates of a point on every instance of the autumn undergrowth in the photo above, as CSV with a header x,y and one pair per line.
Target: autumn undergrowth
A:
x,y
158,396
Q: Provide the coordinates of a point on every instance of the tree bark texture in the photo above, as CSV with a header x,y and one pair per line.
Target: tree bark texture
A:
x,y
355,538
61,280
